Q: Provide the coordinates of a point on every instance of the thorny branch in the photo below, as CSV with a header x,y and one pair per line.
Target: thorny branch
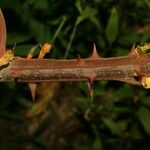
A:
x,y
133,68
38,70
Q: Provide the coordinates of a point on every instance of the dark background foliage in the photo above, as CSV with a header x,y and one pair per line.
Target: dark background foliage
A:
x,y
63,115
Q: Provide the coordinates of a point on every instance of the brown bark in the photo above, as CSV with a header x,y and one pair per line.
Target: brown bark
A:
x,y
117,68
2,34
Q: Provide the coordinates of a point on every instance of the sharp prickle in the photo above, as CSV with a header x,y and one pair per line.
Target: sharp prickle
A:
x,y
32,87
90,84
133,51
80,61
94,53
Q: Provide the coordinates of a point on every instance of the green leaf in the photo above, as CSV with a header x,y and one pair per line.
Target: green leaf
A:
x,y
115,127
97,145
78,5
40,31
145,101
59,29
135,132
30,2
143,115
86,14
40,4
148,3
15,37
82,103
112,26
24,102
119,94
80,147
128,39
95,21
145,37
23,50
12,116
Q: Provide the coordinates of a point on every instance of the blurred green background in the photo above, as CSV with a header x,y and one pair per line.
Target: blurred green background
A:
x,y
63,116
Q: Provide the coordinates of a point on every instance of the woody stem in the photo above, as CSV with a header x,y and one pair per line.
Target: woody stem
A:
x,y
39,70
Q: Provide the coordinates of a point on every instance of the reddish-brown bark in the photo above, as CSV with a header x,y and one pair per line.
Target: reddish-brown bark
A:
x,y
38,70
2,34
